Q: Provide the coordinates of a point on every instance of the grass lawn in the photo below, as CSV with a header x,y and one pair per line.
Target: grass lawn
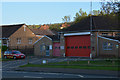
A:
x,y
101,65
105,63
7,59
72,66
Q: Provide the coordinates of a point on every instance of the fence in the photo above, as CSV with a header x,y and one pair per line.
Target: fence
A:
x,y
28,50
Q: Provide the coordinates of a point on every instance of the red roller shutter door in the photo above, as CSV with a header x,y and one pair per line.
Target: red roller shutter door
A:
x,y
77,46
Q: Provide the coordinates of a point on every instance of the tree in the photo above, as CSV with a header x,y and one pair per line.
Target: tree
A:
x,y
96,12
66,19
79,15
82,13
110,6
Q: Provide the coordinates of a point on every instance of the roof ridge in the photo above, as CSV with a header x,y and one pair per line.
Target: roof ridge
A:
x,y
12,25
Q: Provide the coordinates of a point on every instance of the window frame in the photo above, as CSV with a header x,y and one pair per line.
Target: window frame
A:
x,y
106,46
18,40
30,41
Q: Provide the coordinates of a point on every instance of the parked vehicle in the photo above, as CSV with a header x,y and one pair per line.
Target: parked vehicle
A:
x,y
14,54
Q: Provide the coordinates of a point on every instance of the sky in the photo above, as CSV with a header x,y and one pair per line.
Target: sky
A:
x,y
42,12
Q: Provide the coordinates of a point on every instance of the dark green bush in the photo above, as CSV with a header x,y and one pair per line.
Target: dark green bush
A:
x,y
4,48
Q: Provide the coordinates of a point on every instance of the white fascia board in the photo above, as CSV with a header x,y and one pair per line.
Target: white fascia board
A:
x,y
109,39
47,37
39,35
3,38
38,40
41,38
81,33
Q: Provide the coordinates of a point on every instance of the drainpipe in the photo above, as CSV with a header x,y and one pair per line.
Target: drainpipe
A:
x,y
97,45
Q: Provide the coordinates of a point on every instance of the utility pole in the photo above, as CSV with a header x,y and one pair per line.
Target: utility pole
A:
x,y
91,16
91,28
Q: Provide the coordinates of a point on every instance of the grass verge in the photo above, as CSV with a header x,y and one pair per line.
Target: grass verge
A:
x,y
73,67
7,59
105,63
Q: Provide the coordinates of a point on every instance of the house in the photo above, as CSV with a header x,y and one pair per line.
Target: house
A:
x,y
7,31
44,27
64,25
18,36
43,46
47,46
42,32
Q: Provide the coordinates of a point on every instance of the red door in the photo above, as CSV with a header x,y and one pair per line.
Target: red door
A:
x,y
56,48
78,46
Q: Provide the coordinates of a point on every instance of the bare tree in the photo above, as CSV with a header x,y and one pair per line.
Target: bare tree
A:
x,y
66,19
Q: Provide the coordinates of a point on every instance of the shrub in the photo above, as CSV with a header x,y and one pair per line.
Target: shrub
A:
x,y
4,48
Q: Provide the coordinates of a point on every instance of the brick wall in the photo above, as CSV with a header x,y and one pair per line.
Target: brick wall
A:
x,y
24,36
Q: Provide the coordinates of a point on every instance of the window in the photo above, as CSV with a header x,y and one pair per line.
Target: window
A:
x,y
88,47
4,41
41,47
55,47
30,40
107,46
6,52
18,40
24,27
117,34
84,47
59,47
104,34
50,47
93,48
47,47
80,47
68,47
72,47
10,52
76,47
16,52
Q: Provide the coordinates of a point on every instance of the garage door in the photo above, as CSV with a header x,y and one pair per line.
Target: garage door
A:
x,y
56,48
77,46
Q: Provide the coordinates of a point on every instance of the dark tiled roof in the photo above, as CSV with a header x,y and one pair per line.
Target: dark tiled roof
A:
x,y
98,23
116,38
8,30
54,38
42,31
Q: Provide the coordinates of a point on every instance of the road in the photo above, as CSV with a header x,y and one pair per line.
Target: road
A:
x,y
19,74
9,72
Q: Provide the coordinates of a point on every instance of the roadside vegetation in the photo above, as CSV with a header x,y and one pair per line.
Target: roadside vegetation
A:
x,y
96,65
7,59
